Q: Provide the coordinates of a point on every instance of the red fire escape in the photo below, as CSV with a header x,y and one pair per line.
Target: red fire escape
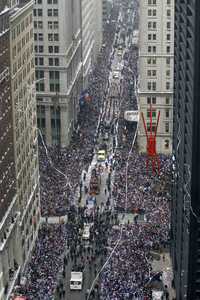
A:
x,y
151,144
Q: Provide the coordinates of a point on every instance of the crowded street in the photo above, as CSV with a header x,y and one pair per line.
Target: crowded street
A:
x,y
97,181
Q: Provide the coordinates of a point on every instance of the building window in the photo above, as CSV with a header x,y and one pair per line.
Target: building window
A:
x,y
49,12
151,2
151,86
166,144
149,12
149,61
151,73
50,61
50,37
40,86
168,73
41,61
50,25
153,113
154,86
168,2
57,61
168,49
54,87
55,12
40,12
40,37
40,24
168,25
151,100
167,127
167,113
168,13
153,126
168,60
168,37
56,49
56,25
50,49
167,100
56,37
167,85
39,74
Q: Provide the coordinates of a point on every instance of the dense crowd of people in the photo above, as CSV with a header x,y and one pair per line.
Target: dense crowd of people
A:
x,y
128,271
45,262
57,191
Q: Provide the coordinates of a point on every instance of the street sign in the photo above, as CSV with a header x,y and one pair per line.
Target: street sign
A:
x,y
131,115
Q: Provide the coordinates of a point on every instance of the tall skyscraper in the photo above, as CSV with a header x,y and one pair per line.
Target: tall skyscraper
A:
x,y
19,176
88,32
57,34
98,26
186,148
156,62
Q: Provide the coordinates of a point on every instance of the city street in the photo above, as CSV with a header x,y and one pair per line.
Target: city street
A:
x,y
111,108
103,214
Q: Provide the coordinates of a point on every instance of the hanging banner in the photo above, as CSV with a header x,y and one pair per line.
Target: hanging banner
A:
x,y
131,115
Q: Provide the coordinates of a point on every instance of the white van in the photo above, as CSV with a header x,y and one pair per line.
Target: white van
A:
x,y
76,281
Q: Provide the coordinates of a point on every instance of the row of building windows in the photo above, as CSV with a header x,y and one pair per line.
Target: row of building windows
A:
x,y
51,49
154,113
48,1
153,100
154,2
39,61
153,61
153,73
152,25
153,128
153,13
152,85
153,37
54,78
51,24
51,37
50,12
152,49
